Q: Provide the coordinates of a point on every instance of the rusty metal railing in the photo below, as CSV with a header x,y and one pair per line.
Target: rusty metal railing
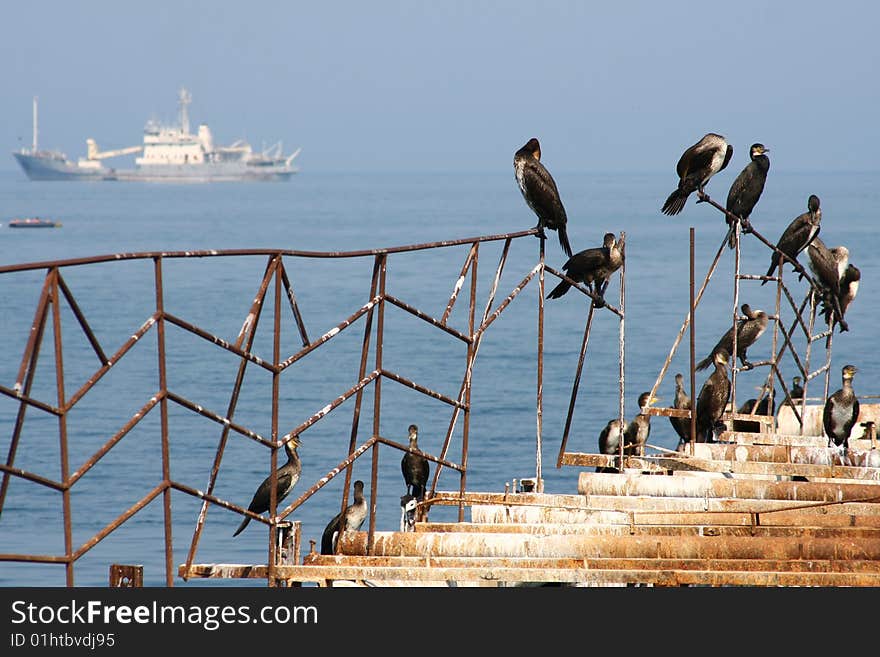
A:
x,y
274,287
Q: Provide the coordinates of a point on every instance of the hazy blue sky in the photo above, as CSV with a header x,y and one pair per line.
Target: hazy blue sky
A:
x,y
449,85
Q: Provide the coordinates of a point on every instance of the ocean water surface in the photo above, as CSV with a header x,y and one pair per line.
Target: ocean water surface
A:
x,y
326,212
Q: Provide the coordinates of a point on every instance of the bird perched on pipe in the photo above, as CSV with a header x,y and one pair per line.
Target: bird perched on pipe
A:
x,y
695,167
415,467
286,477
350,519
593,267
681,401
713,398
841,410
540,193
748,330
746,190
802,230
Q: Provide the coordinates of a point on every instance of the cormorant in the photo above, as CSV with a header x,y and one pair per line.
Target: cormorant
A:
x,y
681,401
828,264
829,267
800,233
796,394
849,287
713,398
593,267
746,189
415,467
539,190
286,476
763,405
841,410
695,167
748,331
609,441
639,428
349,520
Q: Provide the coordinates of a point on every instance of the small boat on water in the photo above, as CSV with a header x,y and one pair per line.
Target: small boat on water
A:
x,y
34,222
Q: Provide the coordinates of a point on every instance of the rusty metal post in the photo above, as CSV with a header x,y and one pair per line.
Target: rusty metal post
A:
x,y
539,419
775,341
287,549
126,576
163,414
62,425
693,372
382,261
470,355
273,458
734,369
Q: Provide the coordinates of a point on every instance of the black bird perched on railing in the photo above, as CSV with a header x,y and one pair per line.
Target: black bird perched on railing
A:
x,y
798,235
639,428
746,189
841,410
748,330
695,167
539,190
415,467
681,401
286,477
713,398
593,267
350,519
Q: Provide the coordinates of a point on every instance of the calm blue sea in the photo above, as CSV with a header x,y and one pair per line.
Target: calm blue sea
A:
x,y
342,212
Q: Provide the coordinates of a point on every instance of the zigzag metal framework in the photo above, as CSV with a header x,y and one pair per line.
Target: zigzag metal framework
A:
x,y
274,283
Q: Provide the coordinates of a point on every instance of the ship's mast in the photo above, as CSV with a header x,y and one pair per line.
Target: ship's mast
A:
x,y
185,99
35,126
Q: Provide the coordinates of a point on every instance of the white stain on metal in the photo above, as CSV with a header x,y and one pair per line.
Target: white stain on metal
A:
x,y
248,322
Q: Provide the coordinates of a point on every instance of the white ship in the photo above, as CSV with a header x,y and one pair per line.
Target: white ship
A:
x,y
169,153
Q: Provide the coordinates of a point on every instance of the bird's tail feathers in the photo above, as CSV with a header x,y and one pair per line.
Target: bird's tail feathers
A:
x,y
773,265
731,236
559,290
241,527
563,241
703,364
675,202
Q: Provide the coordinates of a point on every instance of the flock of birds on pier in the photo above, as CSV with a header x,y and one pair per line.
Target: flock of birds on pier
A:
x,y
836,281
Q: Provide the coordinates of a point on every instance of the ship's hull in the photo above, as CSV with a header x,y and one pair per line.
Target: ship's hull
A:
x,y
49,167
44,167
